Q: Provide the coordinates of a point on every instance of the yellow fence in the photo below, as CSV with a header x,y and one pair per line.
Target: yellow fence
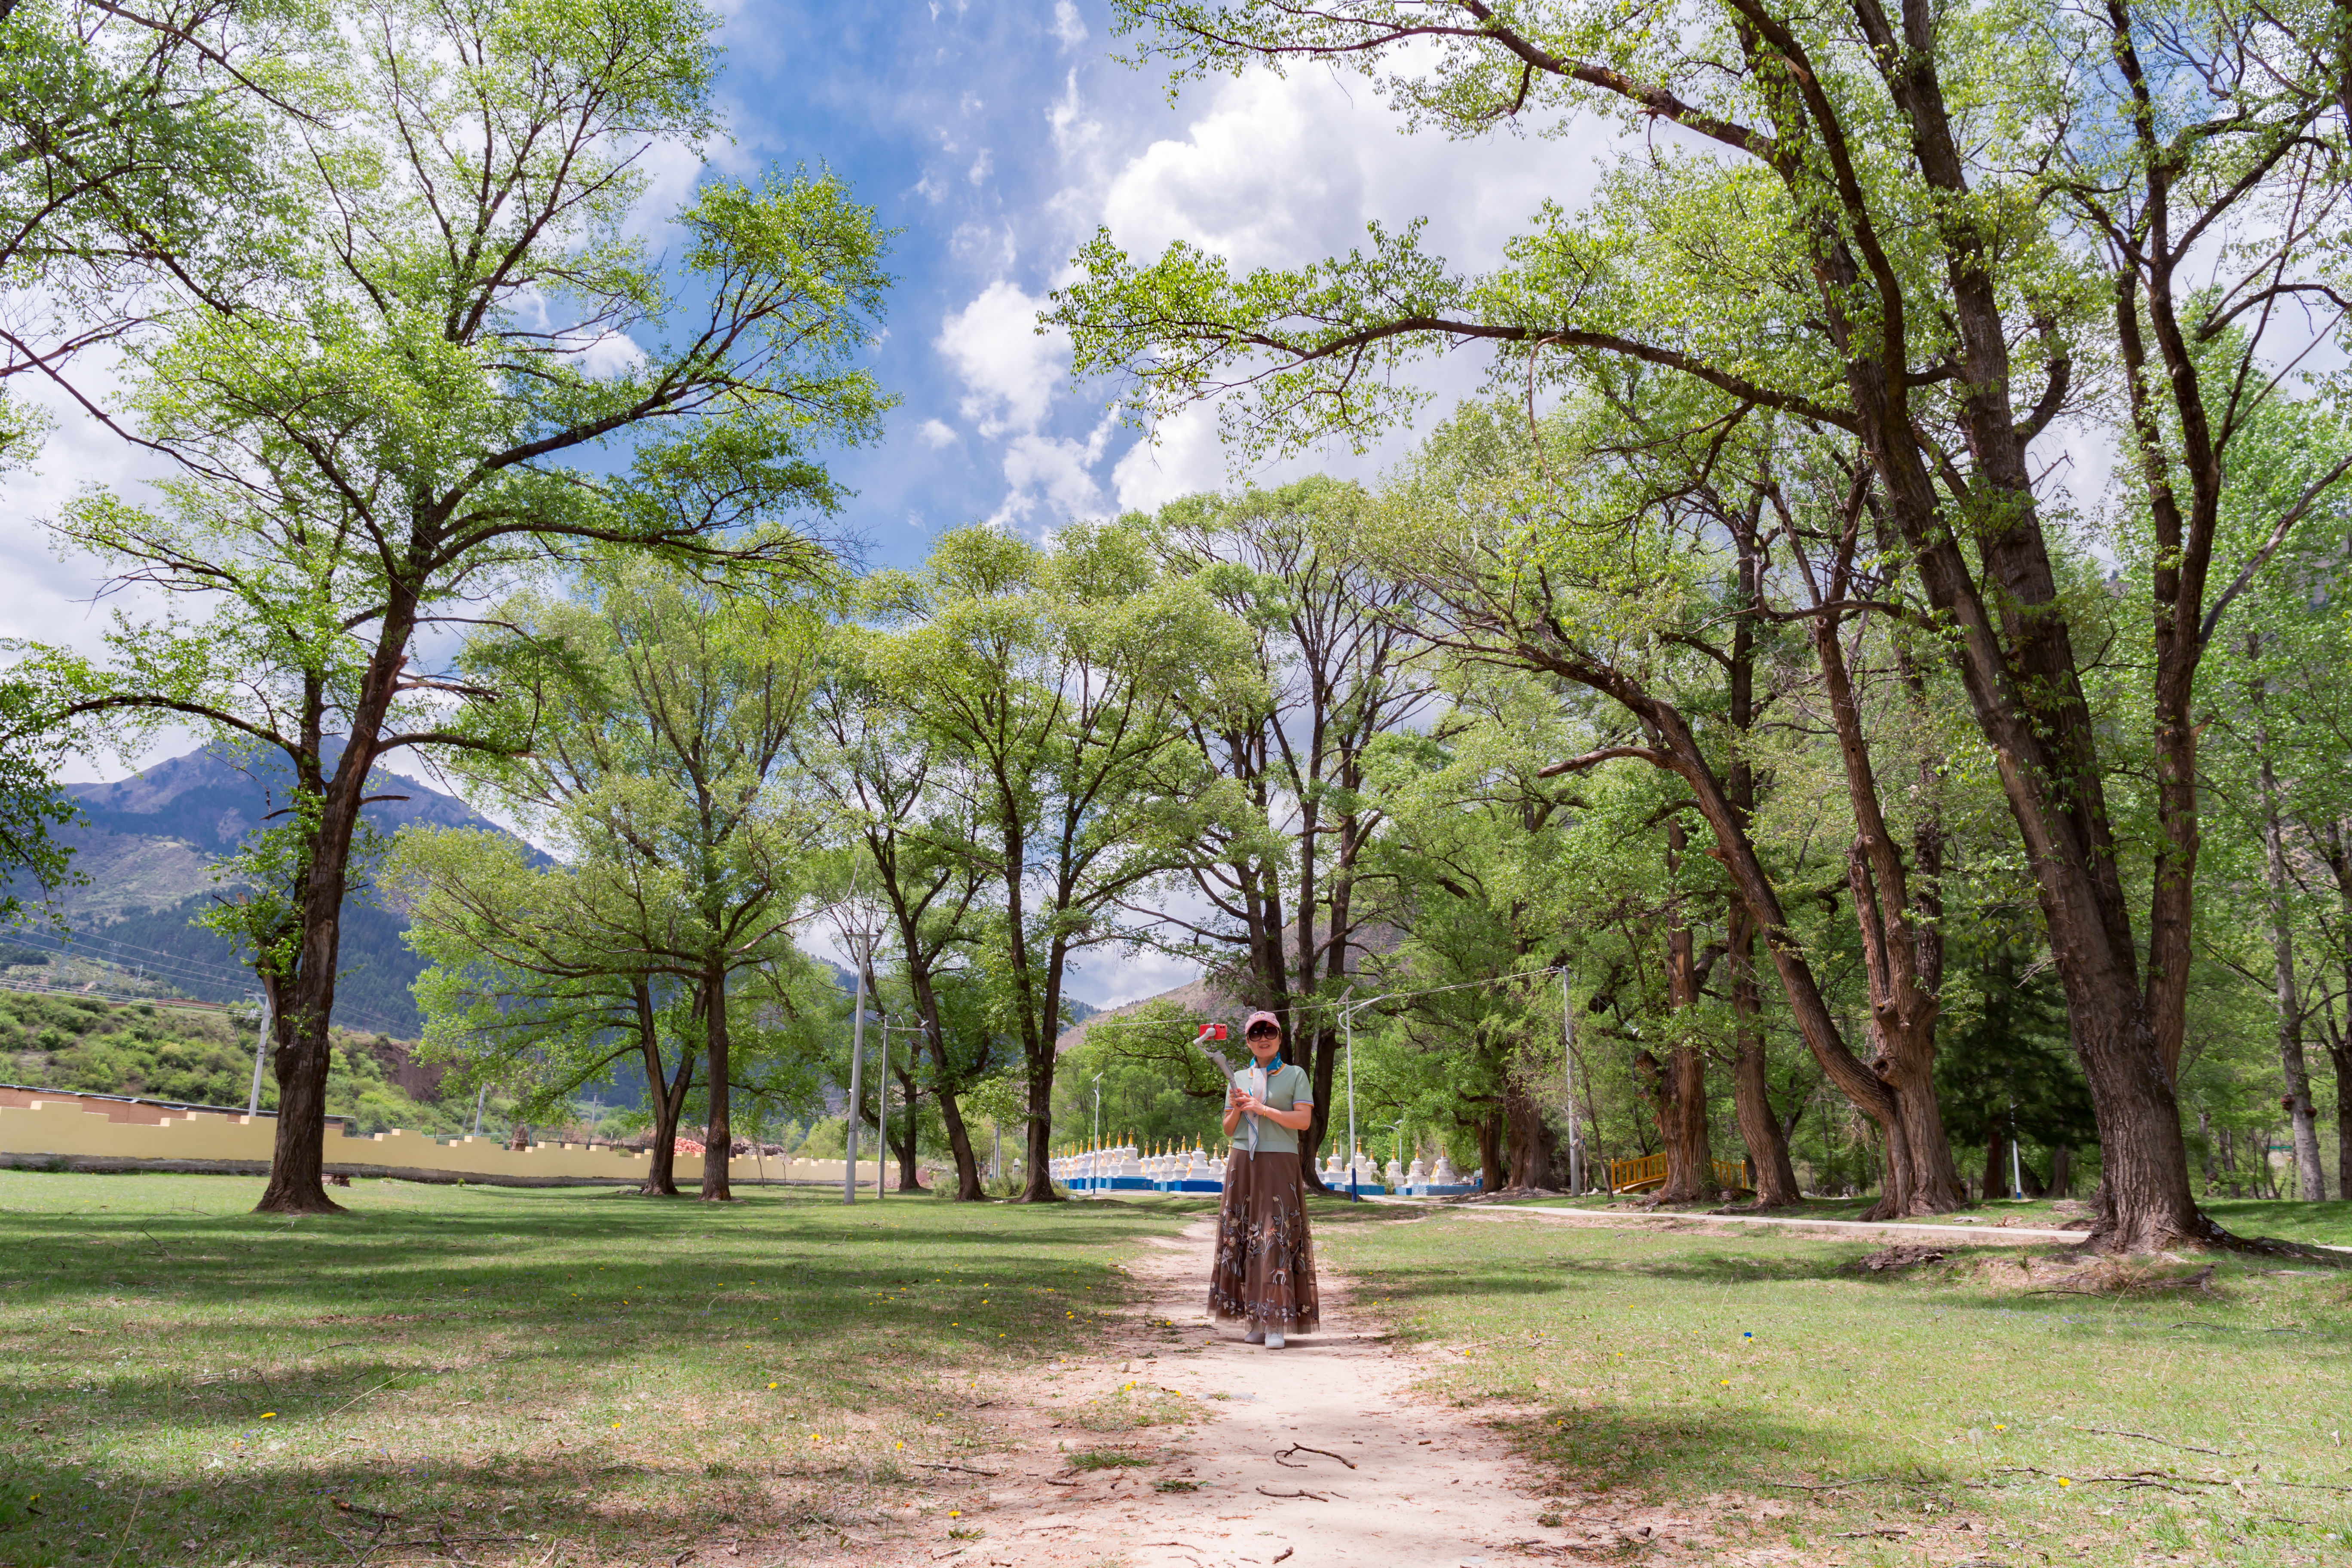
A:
x,y
1649,1172
79,1134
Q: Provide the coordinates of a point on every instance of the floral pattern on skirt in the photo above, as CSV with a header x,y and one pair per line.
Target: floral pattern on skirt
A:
x,y
1264,1270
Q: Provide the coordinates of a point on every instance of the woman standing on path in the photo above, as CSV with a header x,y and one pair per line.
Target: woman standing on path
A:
x,y
1264,1270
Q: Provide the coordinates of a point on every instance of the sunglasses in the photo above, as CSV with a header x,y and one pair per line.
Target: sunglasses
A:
x,y
1263,1031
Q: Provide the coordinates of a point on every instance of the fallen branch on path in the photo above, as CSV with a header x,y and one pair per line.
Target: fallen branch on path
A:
x,y
2166,1481
1832,1485
2159,1442
1316,1497
1303,1448
967,1469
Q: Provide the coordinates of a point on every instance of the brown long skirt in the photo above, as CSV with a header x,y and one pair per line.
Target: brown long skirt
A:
x,y
1264,1270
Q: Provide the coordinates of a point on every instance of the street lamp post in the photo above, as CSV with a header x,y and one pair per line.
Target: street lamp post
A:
x,y
1094,1175
260,1043
1348,1027
882,1112
1567,1077
861,944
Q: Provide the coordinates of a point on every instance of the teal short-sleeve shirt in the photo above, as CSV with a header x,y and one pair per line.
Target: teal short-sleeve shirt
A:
x,y
1286,1089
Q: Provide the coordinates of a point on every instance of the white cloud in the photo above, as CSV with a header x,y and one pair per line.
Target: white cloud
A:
x,y
1185,459
1056,472
1075,130
1266,170
605,353
1283,170
1008,368
981,166
936,434
1067,26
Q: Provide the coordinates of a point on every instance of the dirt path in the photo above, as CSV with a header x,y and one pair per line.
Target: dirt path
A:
x,y
1406,1482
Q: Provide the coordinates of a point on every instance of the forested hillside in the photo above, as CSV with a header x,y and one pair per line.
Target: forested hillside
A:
x,y
149,845
202,1057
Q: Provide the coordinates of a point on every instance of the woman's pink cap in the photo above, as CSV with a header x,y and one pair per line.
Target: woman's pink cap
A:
x,y
1257,1019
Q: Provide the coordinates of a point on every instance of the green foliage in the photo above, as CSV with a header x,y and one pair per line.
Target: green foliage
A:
x,y
1156,1086
130,156
32,809
665,778
2002,1060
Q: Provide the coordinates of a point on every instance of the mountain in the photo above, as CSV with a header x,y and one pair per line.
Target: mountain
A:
x,y
148,843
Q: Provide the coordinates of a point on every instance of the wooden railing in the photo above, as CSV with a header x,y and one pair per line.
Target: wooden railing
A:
x,y
1634,1175
1650,1171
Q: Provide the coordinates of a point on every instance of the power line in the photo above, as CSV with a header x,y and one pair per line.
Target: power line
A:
x,y
99,938
167,966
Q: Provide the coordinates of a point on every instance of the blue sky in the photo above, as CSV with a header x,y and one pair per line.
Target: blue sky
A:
x,y
997,137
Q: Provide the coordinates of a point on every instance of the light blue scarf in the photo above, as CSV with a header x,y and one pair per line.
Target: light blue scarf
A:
x,y
1270,1068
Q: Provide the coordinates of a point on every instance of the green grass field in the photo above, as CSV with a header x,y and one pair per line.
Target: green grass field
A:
x,y
1678,1367
547,1378
535,1373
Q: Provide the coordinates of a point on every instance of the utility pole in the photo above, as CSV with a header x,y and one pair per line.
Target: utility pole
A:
x,y
260,1043
861,942
882,1115
1348,1014
1568,1078
2016,1175
480,1096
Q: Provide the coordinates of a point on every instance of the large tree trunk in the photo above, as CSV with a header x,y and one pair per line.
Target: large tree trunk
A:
x,y
667,1094
909,1174
1996,1166
1535,1147
1759,1125
2302,1114
948,1081
1681,1098
1036,1035
1324,1054
1491,1175
2339,1038
298,1154
1770,1171
1904,1007
302,1011
718,1132
2145,1201
967,1162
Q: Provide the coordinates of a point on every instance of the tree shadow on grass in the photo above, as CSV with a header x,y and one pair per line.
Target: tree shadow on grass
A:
x,y
444,1363
509,1510
1684,1456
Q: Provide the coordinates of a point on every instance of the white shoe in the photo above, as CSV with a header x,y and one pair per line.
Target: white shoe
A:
x,y
1257,1337
1274,1339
